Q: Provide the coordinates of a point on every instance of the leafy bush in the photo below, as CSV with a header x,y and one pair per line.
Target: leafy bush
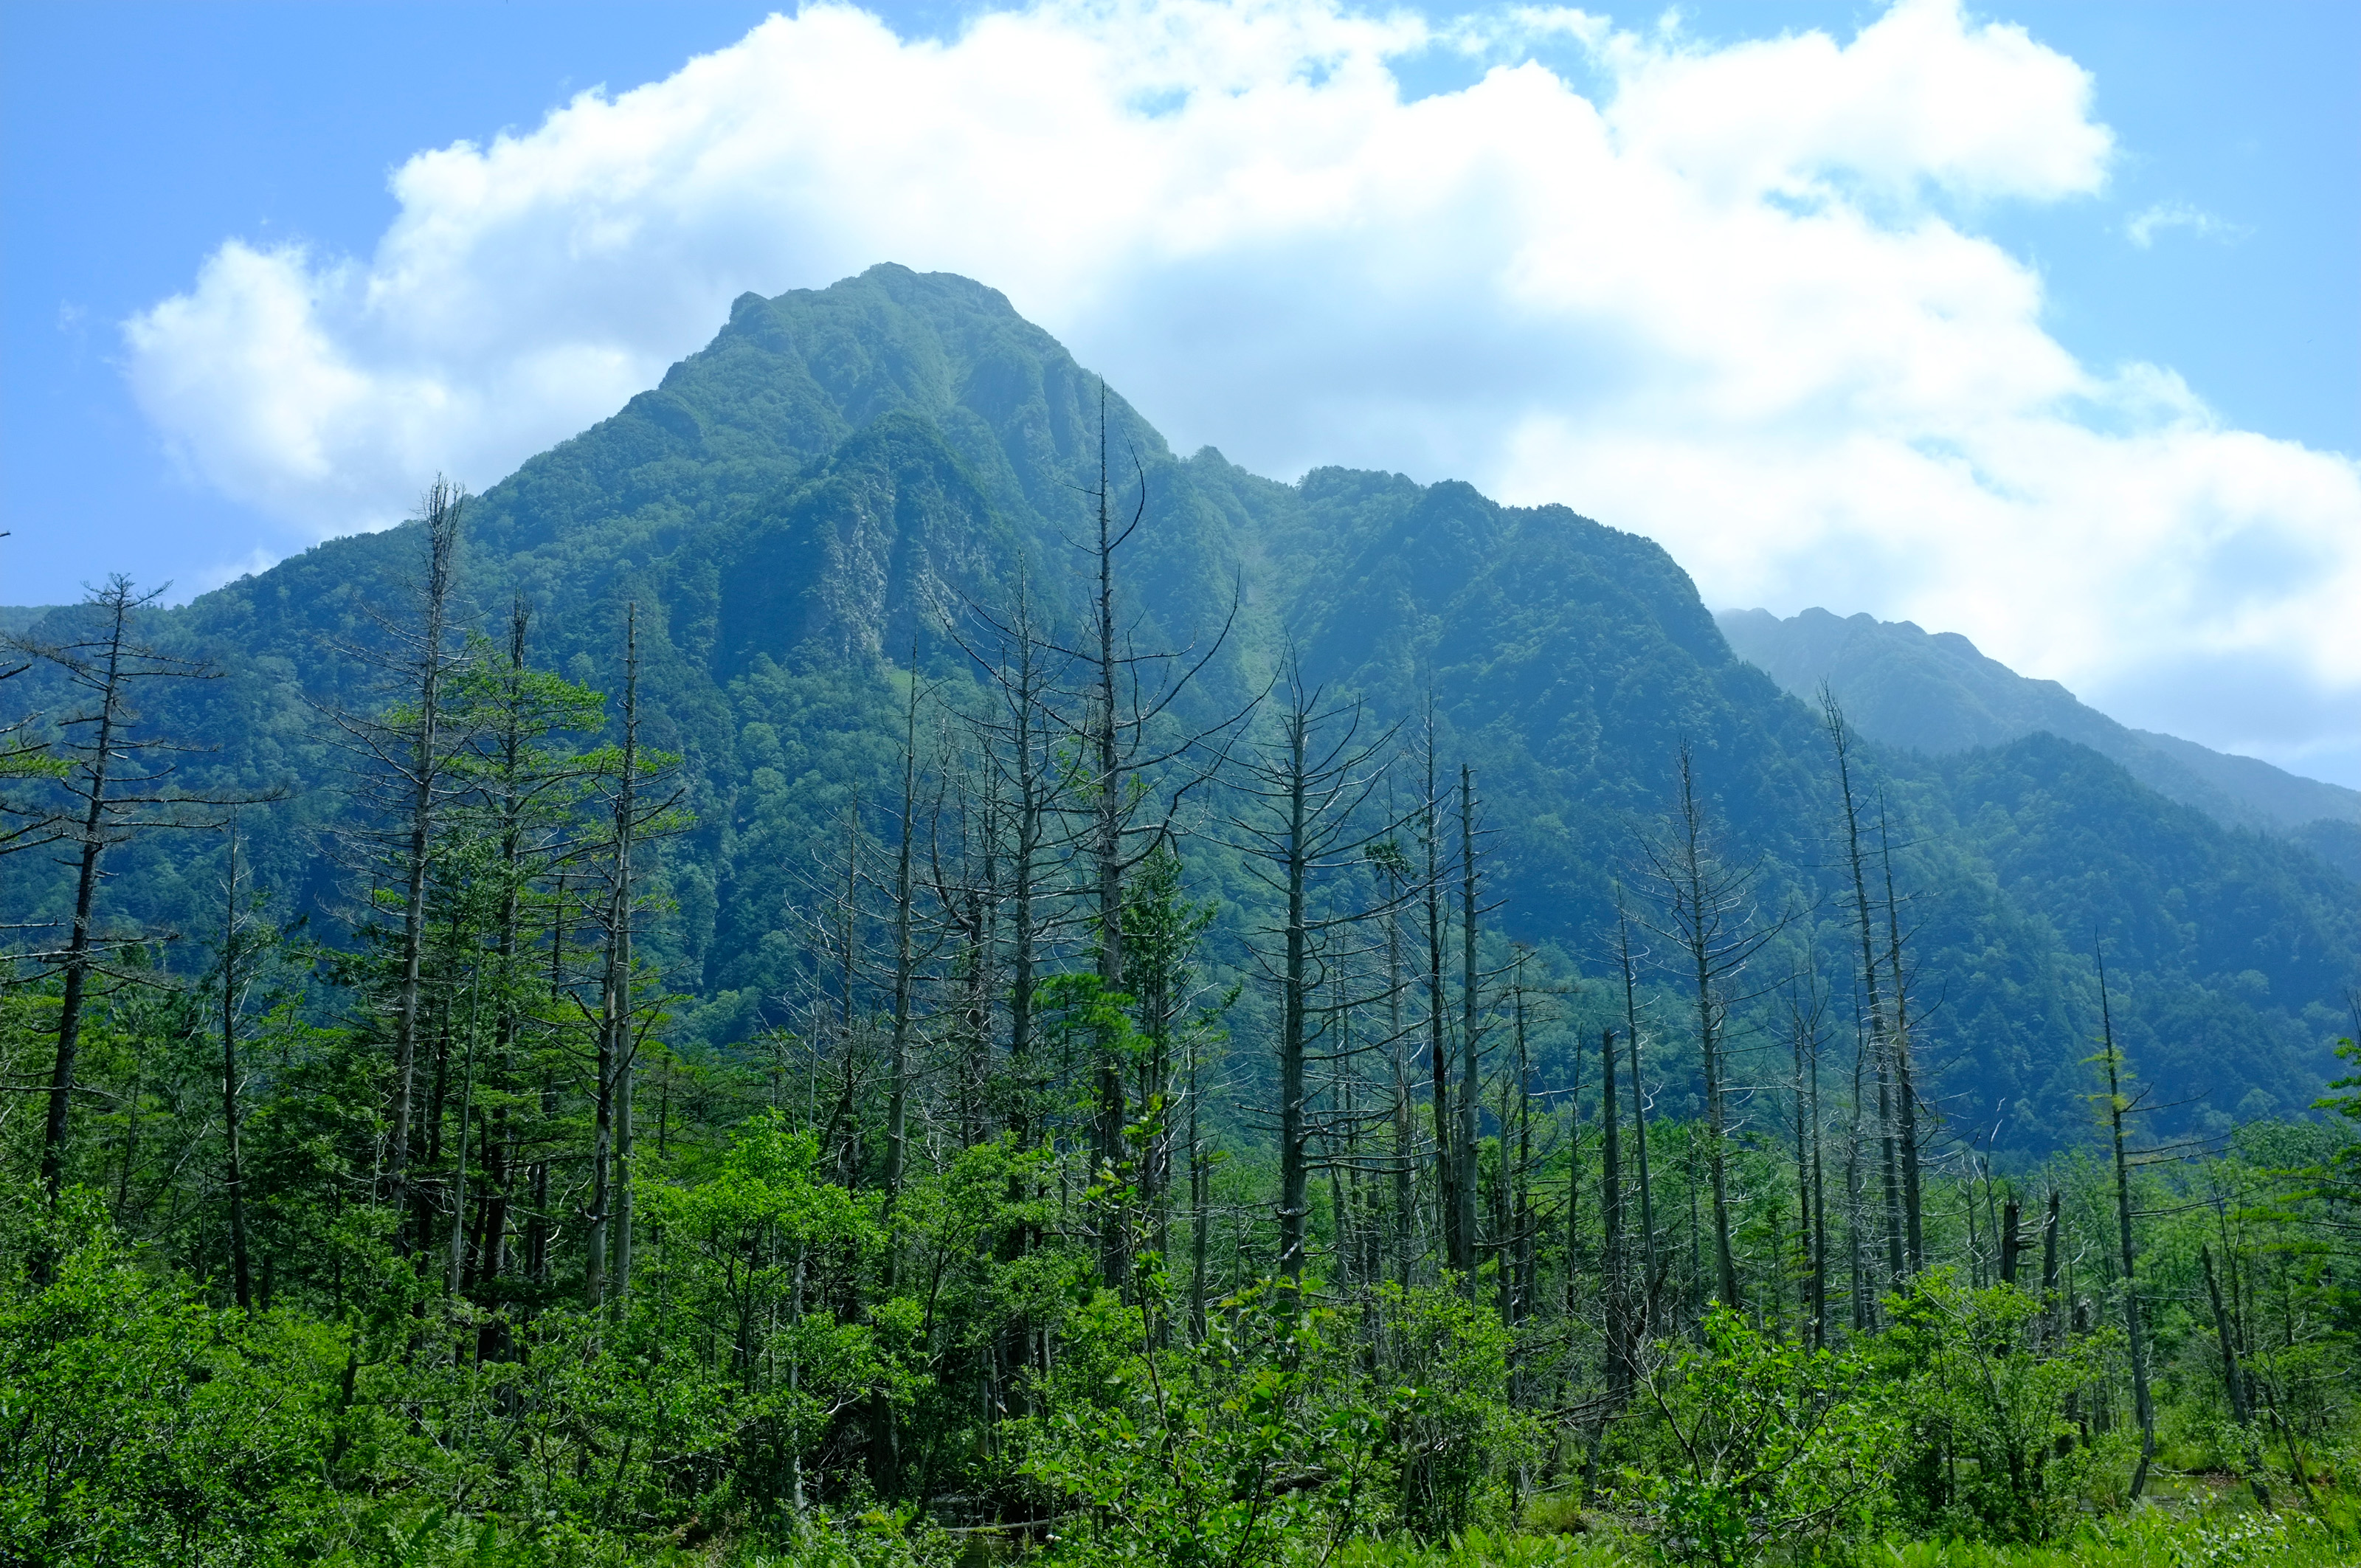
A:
x,y
1251,1447
1450,1432
1758,1441
138,1425
1981,1384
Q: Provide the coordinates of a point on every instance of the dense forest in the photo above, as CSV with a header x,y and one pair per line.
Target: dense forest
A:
x,y
862,965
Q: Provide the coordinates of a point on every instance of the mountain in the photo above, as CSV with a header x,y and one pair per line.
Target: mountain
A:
x,y
793,507
18,618
1934,692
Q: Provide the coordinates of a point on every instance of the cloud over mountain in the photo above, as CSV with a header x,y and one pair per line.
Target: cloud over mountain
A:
x,y
1733,297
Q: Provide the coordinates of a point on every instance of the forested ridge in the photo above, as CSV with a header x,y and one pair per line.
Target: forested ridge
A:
x,y
862,963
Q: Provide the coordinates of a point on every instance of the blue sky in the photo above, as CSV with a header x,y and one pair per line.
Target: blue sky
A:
x,y
2222,245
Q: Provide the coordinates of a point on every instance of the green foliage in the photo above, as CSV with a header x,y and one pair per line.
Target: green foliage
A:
x,y
137,1424
1457,1443
1256,1447
1761,1441
2152,1538
1982,1380
1477,1549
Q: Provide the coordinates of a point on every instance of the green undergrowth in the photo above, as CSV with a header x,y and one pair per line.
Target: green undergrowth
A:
x,y
2152,1538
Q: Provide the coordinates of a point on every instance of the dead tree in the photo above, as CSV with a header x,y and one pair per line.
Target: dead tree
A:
x,y
1651,1276
1300,820
2143,1403
1124,725
623,770
1033,784
234,1173
1898,1050
1879,1034
1708,914
1805,1015
1470,1021
119,785
1453,1167
408,754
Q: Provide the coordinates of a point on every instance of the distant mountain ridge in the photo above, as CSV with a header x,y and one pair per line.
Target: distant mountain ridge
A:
x,y
1936,693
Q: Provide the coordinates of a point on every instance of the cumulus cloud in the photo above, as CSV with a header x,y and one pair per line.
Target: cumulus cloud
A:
x,y
1725,297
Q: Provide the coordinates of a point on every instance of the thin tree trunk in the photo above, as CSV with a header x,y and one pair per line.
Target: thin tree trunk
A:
x,y
443,510
1840,742
1905,1083
2234,1383
1447,1161
78,941
1802,1188
1615,1288
1200,1194
1639,1125
1469,1006
1819,1221
1700,899
1294,1200
238,1269
2142,1402
626,1048
886,1461
458,1242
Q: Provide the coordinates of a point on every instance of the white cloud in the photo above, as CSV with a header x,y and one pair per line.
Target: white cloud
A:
x,y
2151,221
1719,304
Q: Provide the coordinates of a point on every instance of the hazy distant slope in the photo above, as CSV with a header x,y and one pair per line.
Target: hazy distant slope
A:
x,y
16,619
1936,693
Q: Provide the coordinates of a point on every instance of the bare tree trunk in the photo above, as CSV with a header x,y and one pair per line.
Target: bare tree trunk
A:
x,y
886,1441
1639,1124
1904,1084
2050,1267
1398,1049
1469,1035
443,507
1200,1196
237,1183
1456,1246
458,1236
1819,1221
1697,898
1615,1288
897,1089
1025,699
1840,742
1891,1166
1293,1201
2234,1384
1803,1184
626,1051
2143,1404
118,601
1107,851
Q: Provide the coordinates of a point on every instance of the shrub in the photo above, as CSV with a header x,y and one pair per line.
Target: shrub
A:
x,y
1758,1441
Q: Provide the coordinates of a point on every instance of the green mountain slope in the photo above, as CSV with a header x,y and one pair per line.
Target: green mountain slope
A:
x,y
794,504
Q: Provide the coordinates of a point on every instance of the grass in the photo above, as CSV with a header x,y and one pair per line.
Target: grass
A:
x,y
2208,1537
